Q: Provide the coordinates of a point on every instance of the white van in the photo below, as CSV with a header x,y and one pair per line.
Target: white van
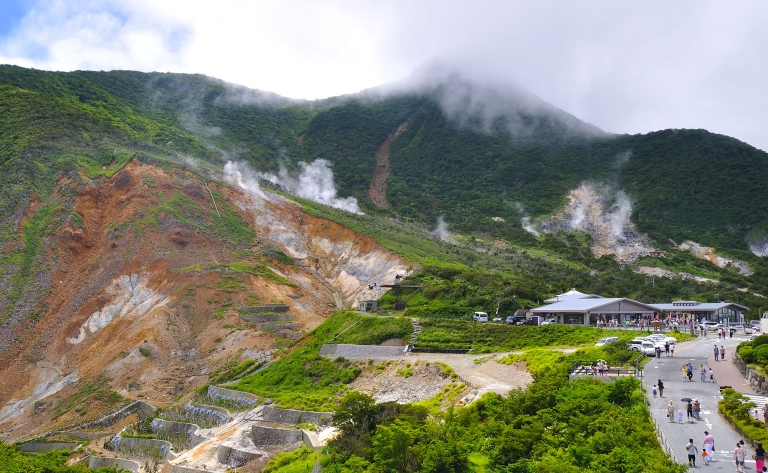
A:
x,y
480,317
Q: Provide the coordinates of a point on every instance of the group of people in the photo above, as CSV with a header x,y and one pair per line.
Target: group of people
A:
x,y
688,373
739,453
692,408
600,367
719,353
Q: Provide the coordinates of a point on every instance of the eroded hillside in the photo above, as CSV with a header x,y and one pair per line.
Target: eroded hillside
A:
x,y
136,294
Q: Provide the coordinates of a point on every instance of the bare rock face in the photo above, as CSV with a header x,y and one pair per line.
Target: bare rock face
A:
x,y
604,213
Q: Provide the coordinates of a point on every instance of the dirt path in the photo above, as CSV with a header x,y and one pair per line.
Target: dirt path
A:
x,y
486,376
378,190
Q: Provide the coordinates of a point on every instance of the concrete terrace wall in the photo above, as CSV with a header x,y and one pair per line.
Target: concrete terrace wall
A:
x,y
240,397
98,462
360,351
213,412
224,454
263,318
45,446
182,469
272,436
265,308
85,435
167,427
294,417
130,446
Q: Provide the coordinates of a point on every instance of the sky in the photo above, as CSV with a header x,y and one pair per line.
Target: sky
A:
x,y
624,66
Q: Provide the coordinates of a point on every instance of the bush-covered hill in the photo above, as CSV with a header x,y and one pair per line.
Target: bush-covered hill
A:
x,y
466,167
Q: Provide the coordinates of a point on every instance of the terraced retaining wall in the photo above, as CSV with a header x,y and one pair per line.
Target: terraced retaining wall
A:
x,y
131,446
240,397
294,417
265,308
95,463
183,469
263,436
85,435
45,446
218,414
160,426
361,351
262,318
224,454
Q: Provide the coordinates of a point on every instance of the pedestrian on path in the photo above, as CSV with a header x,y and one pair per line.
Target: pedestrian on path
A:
x,y
658,355
696,409
671,411
666,348
759,457
703,373
717,353
722,353
708,444
679,416
689,410
711,376
654,390
739,454
692,450
672,351
660,384
690,372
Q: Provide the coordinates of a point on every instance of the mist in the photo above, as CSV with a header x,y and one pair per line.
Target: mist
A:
x,y
620,212
526,220
312,181
441,231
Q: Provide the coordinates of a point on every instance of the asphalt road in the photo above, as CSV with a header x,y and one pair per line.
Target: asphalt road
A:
x,y
669,370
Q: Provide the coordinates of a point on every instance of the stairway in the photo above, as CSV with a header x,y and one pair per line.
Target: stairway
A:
x,y
415,334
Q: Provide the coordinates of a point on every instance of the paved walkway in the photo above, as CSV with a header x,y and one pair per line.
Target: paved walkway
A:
x,y
668,369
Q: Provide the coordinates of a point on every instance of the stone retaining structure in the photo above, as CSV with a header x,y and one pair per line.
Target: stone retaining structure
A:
x,y
265,308
183,469
275,326
361,351
263,436
263,318
85,435
99,462
214,412
240,397
45,446
131,445
224,454
294,417
160,426
757,382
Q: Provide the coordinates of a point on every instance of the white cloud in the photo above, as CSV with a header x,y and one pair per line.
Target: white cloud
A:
x,y
625,67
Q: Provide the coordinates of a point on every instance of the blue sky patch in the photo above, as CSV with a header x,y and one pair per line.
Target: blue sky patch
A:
x,y
11,14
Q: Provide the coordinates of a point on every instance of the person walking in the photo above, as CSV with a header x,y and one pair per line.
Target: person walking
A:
x,y
671,411
717,353
711,376
759,457
690,372
658,355
703,372
666,348
739,454
689,410
708,443
660,384
696,409
722,353
680,416
672,350
692,450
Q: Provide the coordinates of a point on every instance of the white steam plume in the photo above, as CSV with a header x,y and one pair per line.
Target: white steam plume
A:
x,y
441,231
525,221
620,213
244,176
313,182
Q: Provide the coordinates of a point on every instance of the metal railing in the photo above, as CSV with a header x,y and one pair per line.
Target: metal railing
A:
x,y
663,441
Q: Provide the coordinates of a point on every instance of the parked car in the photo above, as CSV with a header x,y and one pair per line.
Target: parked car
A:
x,y
643,346
606,341
549,322
498,320
480,317
660,337
710,326
748,330
515,320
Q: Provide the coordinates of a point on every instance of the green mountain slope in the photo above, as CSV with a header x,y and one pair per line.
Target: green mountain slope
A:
x,y
468,163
